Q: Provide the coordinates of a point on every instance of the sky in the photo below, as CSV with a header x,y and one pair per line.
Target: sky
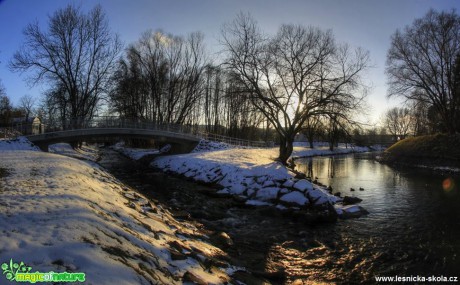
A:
x,y
361,23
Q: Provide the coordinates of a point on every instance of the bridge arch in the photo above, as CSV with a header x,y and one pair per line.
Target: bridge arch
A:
x,y
180,142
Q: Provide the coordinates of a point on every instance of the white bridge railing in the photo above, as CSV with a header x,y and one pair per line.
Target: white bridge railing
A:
x,y
117,122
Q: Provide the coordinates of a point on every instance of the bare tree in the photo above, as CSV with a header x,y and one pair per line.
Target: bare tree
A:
x,y
311,128
423,56
27,104
293,75
399,122
77,52
5,109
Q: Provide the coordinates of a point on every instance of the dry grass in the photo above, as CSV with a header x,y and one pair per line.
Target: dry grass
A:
x,y
437,150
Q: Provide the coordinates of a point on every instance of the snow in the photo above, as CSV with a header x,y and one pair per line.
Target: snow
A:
x,y
295,197
302,151
85,152
63,214
134,153
303,185
254,173
21,143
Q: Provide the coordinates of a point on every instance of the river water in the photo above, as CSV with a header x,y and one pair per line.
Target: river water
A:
x,y
413,227
414,223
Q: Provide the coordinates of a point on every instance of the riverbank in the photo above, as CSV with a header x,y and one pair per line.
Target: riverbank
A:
x,y
63,214
254,176
437,152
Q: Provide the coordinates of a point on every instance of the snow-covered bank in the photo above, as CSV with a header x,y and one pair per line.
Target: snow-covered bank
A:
x,y
134,153
62,214
301,150
85,152
255,176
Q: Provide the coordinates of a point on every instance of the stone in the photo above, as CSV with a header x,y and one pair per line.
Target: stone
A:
x,y
295,197
192,277
347,200
303,185
267,194
288,183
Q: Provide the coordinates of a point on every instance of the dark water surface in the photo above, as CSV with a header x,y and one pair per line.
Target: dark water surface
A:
x,y
414,223
413,227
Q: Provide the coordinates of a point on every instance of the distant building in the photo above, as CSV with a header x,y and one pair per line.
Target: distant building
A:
x,y
29,126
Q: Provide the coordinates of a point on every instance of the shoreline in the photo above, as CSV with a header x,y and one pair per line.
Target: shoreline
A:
x,y
437,153
254,177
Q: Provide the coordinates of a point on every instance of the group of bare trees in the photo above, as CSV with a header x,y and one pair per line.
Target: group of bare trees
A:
x,y
75,56
168,79
423,66
160,78
265,81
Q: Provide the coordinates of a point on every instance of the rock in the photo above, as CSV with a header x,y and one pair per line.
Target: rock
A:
x,y
267,194
176,255
317,197
224,239
165,149
288,183
192,277
284,191
353,211
295,197
268,183
180,246
303,185
347,200
337,194
261,179
236,189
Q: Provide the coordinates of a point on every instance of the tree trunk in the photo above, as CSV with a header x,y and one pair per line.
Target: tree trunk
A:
x,y
286,147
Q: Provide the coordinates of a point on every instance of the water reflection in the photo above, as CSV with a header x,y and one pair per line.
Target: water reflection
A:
x,y
413,226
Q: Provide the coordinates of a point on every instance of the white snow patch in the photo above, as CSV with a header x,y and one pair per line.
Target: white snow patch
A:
x,y
59,214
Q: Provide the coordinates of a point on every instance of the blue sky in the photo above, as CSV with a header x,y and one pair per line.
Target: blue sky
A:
x,y
365,23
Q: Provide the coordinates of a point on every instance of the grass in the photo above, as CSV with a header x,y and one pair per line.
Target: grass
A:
x,y
438,149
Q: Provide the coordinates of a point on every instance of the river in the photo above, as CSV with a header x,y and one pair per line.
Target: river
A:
x,y
413,226
414,223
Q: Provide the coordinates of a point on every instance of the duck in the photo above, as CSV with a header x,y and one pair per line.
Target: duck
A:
x,y
361,189
352,189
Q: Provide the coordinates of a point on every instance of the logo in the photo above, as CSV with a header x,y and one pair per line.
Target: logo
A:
x,y
20,272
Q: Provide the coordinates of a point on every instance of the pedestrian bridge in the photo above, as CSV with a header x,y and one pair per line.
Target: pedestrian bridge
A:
x,y
182,139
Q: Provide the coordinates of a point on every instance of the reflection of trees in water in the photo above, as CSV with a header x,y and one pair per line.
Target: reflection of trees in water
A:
x,y
309,171
331,167
326,165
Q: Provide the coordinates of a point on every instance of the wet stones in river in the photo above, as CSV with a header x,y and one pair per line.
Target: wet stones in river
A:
x,y
347,200
222,240
353,211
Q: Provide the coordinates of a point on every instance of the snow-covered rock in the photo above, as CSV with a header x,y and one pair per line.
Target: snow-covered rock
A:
x,y
253,173
352,211
296,198
269,193
303,185
288,183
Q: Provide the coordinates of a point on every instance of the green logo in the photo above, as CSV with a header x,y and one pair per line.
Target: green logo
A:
x,y
20,272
